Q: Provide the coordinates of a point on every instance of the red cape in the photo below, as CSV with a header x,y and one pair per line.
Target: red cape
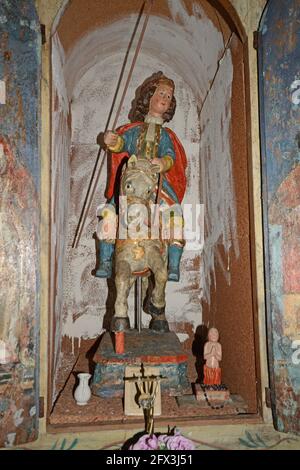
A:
x,y
176,176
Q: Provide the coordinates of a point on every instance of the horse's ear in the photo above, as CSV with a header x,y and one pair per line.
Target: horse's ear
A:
x,y
132,161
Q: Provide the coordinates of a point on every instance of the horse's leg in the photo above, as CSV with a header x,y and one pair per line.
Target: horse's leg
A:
x,y
124,281
159,267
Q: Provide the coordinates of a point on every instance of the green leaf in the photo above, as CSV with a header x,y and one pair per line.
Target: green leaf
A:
x,y
62,447
250,438
247,444
54,445
74,444
260,440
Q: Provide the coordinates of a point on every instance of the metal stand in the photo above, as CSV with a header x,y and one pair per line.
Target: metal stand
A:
x,y
138,303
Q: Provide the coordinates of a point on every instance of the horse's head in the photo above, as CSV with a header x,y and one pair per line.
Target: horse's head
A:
x,y
138,180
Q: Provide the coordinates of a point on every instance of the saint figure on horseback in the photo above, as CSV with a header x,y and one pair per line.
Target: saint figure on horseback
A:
x,y
155,174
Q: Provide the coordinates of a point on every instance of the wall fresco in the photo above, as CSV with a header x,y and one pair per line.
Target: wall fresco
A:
x,y
279,54
19,221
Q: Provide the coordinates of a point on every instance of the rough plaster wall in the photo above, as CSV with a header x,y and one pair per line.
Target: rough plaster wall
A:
x,y
192,62
217,179
60,186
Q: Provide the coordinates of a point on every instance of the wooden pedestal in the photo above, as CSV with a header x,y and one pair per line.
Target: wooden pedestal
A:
x,y
147,348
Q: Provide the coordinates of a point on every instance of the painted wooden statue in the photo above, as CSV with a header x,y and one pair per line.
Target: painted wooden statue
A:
x,y
154,177
212,356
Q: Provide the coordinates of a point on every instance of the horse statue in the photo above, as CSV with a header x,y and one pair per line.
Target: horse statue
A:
x,y
140,254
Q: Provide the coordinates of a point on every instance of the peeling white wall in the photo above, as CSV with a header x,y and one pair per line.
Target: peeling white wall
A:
x,y
217,187
187,49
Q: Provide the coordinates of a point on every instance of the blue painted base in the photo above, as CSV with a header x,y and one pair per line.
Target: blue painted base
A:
x,y
161,350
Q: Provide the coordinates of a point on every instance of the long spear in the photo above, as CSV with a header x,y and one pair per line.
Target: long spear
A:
x,y
90,194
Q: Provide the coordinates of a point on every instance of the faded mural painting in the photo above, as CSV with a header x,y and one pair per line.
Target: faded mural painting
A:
x,y
19,220
280,123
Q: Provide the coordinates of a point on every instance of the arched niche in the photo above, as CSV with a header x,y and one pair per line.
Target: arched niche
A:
x,y
200,44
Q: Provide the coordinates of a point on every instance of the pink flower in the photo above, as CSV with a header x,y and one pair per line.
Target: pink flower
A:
x,y
146,442
162,440
177,442
173,441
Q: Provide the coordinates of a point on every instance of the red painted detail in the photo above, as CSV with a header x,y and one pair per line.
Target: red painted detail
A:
x,y
142,359
175,176
164,359
212,375
120,342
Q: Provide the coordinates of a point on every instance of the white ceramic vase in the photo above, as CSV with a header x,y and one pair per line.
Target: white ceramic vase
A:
x,y
83,392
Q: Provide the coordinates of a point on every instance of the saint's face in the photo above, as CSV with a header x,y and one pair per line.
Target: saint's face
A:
x,y
213,335
161,100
